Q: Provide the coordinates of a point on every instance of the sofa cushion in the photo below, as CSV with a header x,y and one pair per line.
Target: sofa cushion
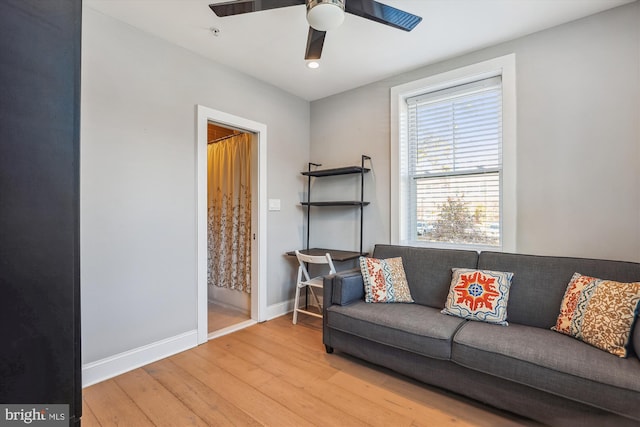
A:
x,y
428,270
480,295
551,362
539,282
384,280
420,329
599,312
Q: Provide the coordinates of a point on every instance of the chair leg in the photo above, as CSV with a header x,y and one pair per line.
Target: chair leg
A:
x,y
295,305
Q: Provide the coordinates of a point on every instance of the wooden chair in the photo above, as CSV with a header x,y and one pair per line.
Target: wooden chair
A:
x,y
306,281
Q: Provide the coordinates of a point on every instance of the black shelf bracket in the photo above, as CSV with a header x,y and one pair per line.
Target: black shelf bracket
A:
x,y
309,170
362,172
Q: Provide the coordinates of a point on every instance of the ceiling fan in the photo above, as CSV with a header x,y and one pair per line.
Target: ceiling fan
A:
x,y
324,15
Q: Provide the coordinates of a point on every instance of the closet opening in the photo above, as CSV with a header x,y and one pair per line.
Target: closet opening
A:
x,y
231,236
230,228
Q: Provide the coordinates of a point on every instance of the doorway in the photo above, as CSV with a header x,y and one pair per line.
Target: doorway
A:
x,y
229,227
253,306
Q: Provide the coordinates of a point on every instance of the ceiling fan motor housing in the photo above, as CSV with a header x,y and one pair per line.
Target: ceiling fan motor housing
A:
x,y
324,15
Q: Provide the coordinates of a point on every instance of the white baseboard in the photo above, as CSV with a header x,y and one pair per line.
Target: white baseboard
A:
x,y
280,309
231,329
277,310
115,365
112,366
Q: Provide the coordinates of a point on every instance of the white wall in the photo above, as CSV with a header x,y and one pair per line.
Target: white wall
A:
x,y
138,182
578,167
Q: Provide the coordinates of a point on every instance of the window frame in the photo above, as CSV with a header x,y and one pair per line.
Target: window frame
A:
x,y
503,66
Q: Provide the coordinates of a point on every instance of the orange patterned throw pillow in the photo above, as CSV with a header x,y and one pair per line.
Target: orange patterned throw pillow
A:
x,y
384,280
480,295
599,312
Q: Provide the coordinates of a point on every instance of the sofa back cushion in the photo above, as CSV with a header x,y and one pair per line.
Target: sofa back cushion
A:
x,y
539,282
428,271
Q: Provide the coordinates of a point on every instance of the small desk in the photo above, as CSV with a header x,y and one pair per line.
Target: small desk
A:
x,y
336,255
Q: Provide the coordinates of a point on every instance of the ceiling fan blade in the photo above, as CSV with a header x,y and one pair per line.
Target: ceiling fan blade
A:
x,y
246,6
378,12
315,41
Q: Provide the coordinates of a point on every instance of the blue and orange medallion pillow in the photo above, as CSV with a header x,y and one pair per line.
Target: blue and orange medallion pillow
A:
x,y
384,280
480,295
599,312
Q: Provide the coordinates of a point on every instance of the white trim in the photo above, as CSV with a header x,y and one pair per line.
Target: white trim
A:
x,y
259,292
112,366
283,309
280,309
230,329
505,66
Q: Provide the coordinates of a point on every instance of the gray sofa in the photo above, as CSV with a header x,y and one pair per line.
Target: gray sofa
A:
x,y
524,368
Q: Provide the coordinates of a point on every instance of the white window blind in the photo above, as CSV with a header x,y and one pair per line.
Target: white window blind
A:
x,y
455,164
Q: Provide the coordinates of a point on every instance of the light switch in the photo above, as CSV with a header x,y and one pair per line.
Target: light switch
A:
x,y
274,204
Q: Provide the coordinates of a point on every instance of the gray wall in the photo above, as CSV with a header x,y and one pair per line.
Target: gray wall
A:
x,y
138,181
578,163
578,166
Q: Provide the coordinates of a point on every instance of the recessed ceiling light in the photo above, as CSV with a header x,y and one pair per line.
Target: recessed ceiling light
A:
x,y
313,64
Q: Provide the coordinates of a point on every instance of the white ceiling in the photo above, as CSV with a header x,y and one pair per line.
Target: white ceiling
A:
x,y
270,45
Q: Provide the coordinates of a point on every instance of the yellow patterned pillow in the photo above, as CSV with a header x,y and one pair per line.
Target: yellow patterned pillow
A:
x,y
384,280
599,312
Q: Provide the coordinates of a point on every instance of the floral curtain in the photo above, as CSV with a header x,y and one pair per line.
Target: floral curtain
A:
x,y
229,213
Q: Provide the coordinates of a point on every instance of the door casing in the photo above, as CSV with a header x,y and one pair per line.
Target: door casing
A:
x,y
259,269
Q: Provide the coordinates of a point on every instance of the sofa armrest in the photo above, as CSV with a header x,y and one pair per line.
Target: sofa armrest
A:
x,y
345,287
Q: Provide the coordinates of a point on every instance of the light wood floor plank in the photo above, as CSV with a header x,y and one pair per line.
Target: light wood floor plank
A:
x,y
277,374
259,406
306,334
279,365
423,394
89,419
286,384
297,362
295,367
274,343
209,405
312,379
220,316
159,404
113,407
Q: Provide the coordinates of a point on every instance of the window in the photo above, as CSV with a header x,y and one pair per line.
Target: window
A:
x,y
455,154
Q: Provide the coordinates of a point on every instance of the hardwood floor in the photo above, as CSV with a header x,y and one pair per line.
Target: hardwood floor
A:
x,y
221,316
275,374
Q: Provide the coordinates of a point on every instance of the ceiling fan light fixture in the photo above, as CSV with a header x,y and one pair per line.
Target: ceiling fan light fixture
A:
x,y
325,15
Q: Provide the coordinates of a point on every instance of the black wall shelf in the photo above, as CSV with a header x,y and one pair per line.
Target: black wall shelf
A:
x,y
338,203
348,170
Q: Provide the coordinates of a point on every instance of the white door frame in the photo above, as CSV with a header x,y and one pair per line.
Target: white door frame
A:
x,y
258,293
